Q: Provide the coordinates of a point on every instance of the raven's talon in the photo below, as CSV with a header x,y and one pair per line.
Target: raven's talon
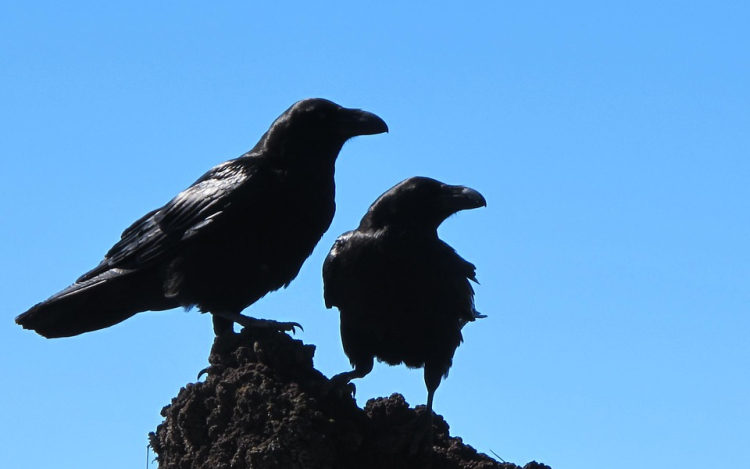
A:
x,y
204,371
291,326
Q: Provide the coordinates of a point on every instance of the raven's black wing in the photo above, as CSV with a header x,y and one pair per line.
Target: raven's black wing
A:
x,y
455,275
189,214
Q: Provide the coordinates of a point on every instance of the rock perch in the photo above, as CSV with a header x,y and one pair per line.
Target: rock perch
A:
x,y
264,406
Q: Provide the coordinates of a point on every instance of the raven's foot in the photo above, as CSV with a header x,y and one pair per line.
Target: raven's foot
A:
x,y
422,427
248,322
270,324
340,386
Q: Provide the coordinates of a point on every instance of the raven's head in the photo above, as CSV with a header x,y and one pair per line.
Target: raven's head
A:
x,y
317,126
420,203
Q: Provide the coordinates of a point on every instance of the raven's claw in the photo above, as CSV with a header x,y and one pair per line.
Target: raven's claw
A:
x,y
340,387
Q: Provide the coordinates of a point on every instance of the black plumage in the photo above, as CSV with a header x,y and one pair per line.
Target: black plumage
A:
x,y
240,231
403,294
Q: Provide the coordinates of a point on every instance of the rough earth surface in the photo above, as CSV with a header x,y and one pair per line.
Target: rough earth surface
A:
x,y
264,406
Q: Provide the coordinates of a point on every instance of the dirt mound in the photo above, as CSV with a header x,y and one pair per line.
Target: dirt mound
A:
x,y
264,406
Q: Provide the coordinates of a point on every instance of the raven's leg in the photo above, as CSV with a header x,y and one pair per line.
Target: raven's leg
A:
x,y
431,388
222,325
432,376
224,317
223,328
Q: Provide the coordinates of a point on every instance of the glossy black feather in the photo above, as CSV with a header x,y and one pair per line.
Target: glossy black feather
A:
x,y
240,231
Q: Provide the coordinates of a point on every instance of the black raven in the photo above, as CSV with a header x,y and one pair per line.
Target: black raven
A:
x,y
403,294
240,231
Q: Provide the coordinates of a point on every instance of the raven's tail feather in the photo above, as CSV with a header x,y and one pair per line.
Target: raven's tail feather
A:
x,y
100,302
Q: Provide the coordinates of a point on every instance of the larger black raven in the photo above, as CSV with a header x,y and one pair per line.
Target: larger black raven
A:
x,y
403,294
240,231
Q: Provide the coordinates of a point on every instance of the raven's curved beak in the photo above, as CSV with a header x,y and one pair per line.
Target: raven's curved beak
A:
x,y
459,198
358,122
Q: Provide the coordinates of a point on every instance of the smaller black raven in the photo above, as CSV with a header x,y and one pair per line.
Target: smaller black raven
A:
x,y
403,294
240,231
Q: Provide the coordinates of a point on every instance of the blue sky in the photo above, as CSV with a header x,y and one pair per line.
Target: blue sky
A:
x,y
611,141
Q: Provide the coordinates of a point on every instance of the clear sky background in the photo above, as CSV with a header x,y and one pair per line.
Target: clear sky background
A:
x,y
612,143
